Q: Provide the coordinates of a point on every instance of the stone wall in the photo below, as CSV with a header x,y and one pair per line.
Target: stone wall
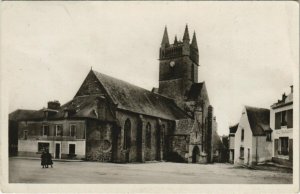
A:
x,y
90,86
99,141
143,146
178,148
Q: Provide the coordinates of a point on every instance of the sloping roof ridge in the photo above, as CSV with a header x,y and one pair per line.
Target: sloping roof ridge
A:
x,y
102,74
235,125
19,109
257,108
163,96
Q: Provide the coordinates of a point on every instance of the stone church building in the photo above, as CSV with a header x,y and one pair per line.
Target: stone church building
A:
x,y
114,121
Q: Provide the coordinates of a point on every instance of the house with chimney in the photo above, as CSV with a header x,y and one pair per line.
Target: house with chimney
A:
x,y
281,121
111,120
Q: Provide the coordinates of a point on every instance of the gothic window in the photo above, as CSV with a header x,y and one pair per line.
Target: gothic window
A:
x,y
148,135
127,134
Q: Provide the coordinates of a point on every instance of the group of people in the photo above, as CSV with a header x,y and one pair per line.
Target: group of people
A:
x,y
46,159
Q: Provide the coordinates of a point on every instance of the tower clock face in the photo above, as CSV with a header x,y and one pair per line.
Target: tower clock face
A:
x,y
172,63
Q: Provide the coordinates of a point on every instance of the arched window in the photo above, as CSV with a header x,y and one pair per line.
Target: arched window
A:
x,y
148,135
127,134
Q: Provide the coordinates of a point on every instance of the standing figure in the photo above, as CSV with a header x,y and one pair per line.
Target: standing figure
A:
x,y
49,159
43,159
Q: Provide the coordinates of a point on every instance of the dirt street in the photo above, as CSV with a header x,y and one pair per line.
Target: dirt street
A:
x,y
30,171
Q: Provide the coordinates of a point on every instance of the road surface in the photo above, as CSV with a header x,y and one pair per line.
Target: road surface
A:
x,y
30,171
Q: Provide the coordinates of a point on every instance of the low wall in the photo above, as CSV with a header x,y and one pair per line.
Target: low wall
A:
x,y
282,162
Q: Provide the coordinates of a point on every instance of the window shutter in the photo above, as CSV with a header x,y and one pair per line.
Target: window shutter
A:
x,y
291,149
276,147
290,118
278,120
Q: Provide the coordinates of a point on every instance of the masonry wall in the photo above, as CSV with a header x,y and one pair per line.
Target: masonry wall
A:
x,y
28,146
138,150
246,144
99,141
264,149
283,132
231,141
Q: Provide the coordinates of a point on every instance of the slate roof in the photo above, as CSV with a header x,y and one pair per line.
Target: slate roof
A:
x,y
139,100
217,143
233,129
259,120
82,107
283,102
22,114
125,95
195,91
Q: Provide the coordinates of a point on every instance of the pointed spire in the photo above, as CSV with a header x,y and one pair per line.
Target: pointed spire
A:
x,y
165,40
175,40
186,35
194,41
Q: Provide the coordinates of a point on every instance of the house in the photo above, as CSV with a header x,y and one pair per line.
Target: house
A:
x,y
253,143
114,121
220,148
281,120
232,130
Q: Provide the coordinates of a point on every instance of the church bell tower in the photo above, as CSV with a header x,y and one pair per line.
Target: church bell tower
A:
x,y
178,66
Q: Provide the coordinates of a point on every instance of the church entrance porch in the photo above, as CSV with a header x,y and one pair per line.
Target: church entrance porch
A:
x,y
195,156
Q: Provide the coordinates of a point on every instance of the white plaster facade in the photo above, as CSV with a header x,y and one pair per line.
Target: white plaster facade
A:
x,y
256,148
283,131
30,148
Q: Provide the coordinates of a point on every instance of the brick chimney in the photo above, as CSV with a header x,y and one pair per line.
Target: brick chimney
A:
x,y
283,96
55,105
292,89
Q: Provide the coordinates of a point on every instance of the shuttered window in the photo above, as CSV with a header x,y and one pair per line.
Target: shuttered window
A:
x,y
278,120
290,118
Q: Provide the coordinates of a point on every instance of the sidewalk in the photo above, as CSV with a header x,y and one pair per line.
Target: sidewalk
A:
x,y
54,159
273,167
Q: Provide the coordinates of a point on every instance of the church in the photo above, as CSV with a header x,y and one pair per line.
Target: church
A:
x,y
110,120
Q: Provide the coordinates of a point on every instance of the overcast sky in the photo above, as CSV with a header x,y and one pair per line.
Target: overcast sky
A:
x,y
247,50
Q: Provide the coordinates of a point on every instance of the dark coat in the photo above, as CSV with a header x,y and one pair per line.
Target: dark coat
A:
x,y
43,159
49,158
